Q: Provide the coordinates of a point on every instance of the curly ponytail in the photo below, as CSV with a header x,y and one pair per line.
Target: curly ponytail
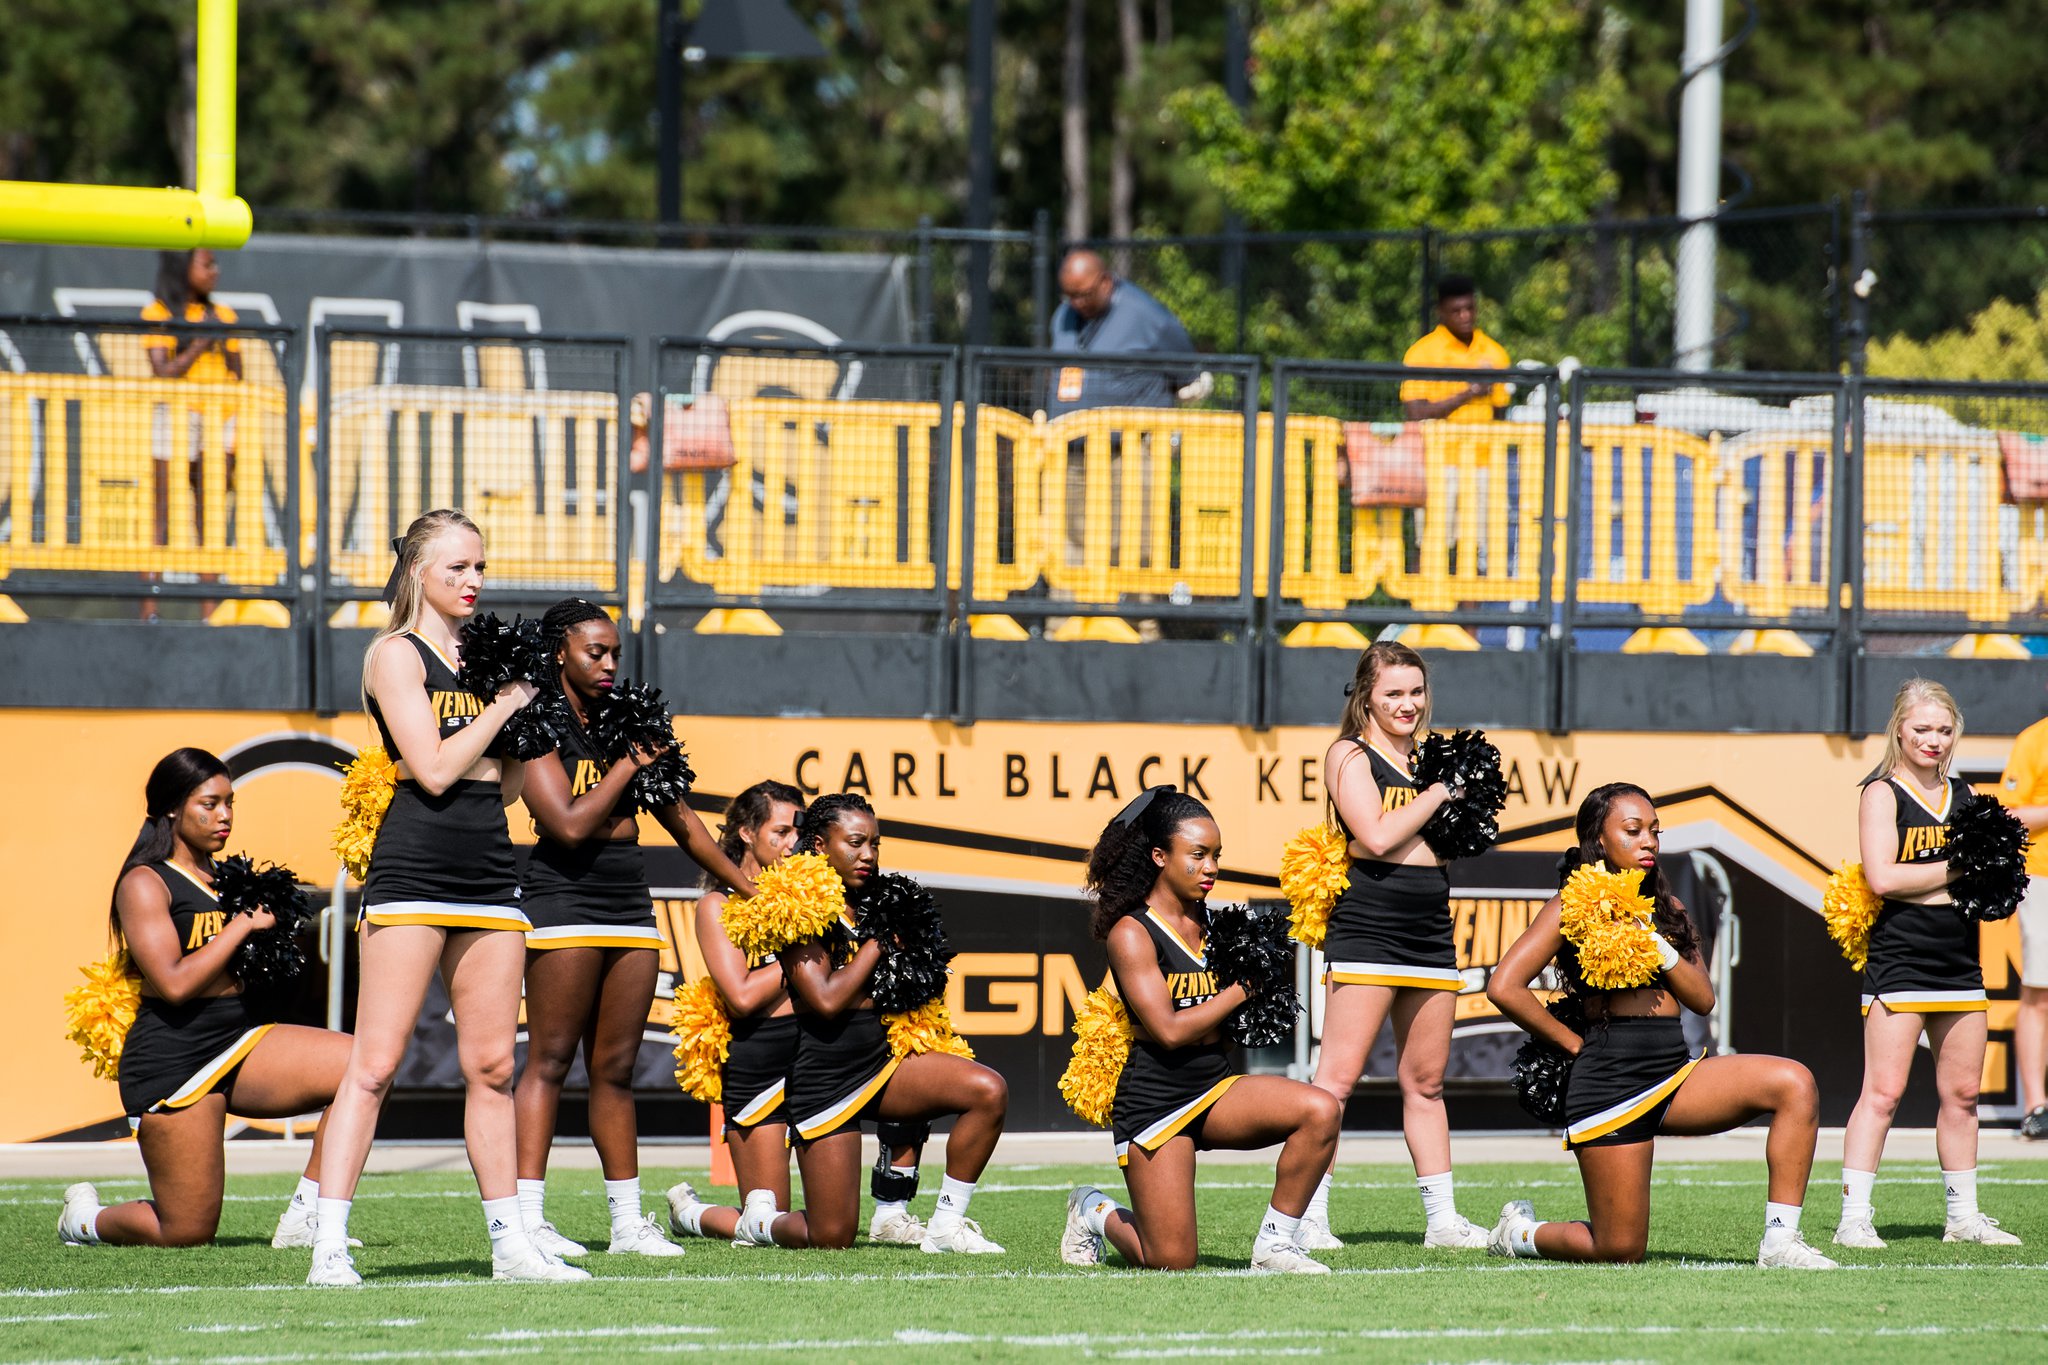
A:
x,y
1121,873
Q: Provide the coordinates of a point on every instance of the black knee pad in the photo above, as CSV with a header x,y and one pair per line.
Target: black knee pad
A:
x,y
885,1184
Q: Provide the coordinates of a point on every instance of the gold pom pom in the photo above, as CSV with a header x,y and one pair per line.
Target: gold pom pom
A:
x,y
98,1014
1102,1043
1606,917
1850,907
1315,867
928,1028
800,897
703,1040
366,789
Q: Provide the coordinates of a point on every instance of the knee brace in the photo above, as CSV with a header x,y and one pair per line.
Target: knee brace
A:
x,y
887,1184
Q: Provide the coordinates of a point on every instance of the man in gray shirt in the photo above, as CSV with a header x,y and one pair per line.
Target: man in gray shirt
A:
x,y
1109,316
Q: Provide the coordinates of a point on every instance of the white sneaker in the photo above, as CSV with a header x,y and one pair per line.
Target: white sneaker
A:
x,y
74,1220
757,1220
962,1235
333,1269
1315,1235
1284,1258
296,1228
642,1237
530,1264
1860,1234
682,1197
549,1242
1981,1228
1514,1215
1458,1234
896,1229
1079,1246
1791,1253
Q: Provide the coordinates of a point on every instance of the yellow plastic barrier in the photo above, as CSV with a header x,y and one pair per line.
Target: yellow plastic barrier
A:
x,y
1646,536
1008,484
1478,540
537,471
1931,528
1312,568
80,458
1789,565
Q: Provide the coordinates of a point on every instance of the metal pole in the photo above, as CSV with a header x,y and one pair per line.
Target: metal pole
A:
x,y
1041,279
981,162
1699,186
1236,84
668,109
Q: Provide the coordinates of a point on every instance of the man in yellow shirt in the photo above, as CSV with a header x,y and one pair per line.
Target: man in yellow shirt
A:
x,y
2024,788
1456,344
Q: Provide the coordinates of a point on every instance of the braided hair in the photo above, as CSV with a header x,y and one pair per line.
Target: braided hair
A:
x,y
750,810
564,617
1121,873
1668,917
824,813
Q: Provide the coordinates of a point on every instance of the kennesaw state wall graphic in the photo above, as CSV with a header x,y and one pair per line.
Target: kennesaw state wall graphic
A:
x,y
997,819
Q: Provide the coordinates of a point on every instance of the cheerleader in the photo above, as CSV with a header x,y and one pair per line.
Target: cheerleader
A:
x,y
593,953
1150,875
1389,950
1632,1078
1922,973
843,1073
196,1051
442,892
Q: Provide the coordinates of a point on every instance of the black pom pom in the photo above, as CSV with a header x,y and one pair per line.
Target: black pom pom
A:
x,y
900,914
1987,856
268,964
632,716
538,727
494,653
1466,762
1543,1070
1249,947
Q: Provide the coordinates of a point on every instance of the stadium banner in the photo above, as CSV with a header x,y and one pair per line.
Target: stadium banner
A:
x,y
496,288
997,818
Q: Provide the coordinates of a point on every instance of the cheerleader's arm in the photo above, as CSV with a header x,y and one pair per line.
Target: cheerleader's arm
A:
x,y
1143,986
746,991
1525,959
1877,840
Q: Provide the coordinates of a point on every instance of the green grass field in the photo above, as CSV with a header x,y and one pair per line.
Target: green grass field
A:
x,y
428,1295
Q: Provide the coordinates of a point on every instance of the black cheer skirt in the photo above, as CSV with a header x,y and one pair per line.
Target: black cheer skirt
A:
x,y
757,1066
1164,1092
444,860
176,1055
592,896
1623,1081
838,1072
1923,959
1392,927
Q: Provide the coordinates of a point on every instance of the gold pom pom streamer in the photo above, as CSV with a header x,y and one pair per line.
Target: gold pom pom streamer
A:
x,y
928,1028
1315,867
799,898
1102,1043
1850,907
703,1040
1605,916
98,1014
366,789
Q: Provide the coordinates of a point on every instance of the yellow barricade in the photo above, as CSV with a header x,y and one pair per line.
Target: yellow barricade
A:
x,y
1931,528
1009,515
1774,507
1478,539
537,471
1313,570
1646,532
1144,500
81,458
822,494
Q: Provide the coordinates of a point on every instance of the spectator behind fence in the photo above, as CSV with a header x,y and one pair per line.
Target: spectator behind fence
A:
x,y
2024,787
1109,316
1456,344
184,295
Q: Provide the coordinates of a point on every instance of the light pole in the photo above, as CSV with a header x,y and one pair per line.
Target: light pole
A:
x,y
730,30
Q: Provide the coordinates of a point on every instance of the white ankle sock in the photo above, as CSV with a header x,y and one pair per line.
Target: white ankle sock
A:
x,y
1277,1228
1961,1188
692,1219
1439,1200
1319,1203
1522,1241
502,1220
953,1197
1097,1213
532,1202
1781,1221
1856,1188
332,1216
758,1214
304,1197
622,1197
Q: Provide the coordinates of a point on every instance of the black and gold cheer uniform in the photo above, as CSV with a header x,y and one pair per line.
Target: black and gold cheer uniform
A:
x,y
840,1067
443,860
1627,1071
1923,958
595,894
176,1055
1166,1091
1392,925
757,1064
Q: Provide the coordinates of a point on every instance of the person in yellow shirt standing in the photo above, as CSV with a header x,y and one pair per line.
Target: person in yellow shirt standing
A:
x,y
184,296
2024,788
1458,344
